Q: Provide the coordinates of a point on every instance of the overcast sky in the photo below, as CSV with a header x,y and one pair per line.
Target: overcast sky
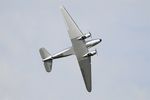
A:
x,y
121,71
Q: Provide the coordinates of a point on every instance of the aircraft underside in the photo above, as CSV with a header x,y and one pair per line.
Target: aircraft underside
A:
x,y
80,48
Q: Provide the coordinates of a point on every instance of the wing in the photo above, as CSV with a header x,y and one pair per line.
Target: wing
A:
x,y
73,29
80,50
79,47
85,67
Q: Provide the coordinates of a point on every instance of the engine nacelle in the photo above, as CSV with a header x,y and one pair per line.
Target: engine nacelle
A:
x,y
92,43
92,53
87,35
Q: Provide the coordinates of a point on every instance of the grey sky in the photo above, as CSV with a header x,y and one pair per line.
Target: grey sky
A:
x,y
119,72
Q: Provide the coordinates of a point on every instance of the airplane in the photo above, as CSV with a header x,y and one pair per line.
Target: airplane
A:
x,y
80,48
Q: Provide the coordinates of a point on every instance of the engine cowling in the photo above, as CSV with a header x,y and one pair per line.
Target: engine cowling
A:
x,y
92,53
92,43
87,35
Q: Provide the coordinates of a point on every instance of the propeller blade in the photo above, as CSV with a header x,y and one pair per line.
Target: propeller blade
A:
x,y
90,34
96,52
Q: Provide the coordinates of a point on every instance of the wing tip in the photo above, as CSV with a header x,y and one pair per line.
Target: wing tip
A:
x,y
64,10
62,7
89,89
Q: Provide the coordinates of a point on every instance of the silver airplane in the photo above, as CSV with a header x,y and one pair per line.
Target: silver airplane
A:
x,y
80,48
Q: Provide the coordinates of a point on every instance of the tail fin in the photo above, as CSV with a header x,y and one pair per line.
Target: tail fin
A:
x,y
47,59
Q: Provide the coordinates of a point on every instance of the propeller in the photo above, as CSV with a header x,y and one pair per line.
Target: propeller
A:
x,y
88,31
90,34
96,52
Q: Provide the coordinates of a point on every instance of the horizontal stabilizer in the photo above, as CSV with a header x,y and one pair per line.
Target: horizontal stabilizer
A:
x,y
44,53
48,65
48,62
